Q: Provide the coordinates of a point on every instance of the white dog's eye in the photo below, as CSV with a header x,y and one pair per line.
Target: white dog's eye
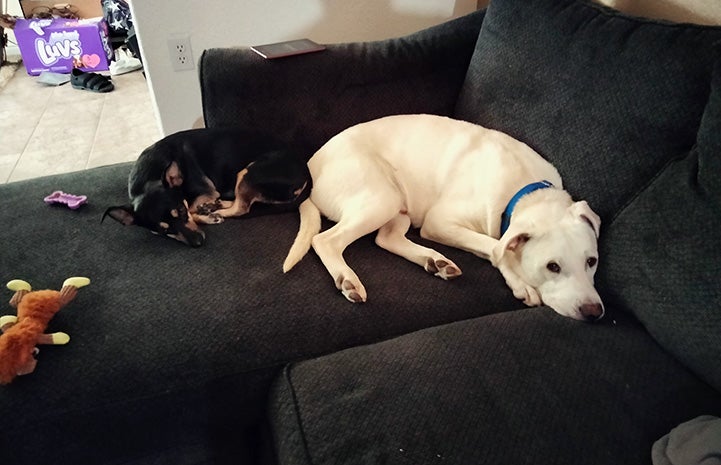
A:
x,y
591,262
553,267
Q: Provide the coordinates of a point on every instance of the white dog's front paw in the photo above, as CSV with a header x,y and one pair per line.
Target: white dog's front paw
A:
x,y
352,289
528,295
443,268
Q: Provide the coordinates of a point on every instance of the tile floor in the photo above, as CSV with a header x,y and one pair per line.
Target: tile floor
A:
x,y
50,130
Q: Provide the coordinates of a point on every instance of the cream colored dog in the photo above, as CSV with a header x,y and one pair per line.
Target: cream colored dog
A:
x,y
454,180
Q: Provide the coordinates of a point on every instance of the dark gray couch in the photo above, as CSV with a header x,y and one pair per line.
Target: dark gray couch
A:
x,y
212,355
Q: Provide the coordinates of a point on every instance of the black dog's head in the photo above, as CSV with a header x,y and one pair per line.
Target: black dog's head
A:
x,y
163,211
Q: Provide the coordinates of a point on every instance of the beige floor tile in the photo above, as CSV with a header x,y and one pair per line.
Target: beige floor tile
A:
x,y
15,136
50,130
67,95
60,139
121,116
56,146
108,151
72,112
7,165
24,89
22,103
41,163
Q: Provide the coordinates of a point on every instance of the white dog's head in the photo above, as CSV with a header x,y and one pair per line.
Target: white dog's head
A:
x,y
558,260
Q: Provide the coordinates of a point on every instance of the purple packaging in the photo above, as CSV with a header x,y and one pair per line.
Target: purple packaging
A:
x,y
59,45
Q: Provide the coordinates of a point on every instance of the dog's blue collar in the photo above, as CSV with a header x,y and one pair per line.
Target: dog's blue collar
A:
x,y
506,215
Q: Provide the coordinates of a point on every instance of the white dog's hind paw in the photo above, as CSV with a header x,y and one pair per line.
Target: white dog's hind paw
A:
x,y
528,295
354,292
444,269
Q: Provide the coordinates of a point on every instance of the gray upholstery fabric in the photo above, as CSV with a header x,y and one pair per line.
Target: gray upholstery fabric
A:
x,y
173,349
661,259
693,442
524,387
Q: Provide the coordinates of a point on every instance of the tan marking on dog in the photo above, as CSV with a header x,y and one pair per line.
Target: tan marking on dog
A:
x,y
244,197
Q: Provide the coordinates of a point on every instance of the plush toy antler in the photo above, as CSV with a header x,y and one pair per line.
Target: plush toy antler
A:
x,y
22,333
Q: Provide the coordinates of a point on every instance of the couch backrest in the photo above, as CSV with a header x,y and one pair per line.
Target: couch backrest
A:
x,y
306,100
609,99
616,103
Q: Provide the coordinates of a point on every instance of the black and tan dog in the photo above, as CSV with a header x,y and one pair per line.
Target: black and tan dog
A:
x,y
206,175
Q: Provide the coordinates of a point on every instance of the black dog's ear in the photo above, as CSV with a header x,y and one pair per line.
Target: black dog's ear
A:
x,y
173,177
123,214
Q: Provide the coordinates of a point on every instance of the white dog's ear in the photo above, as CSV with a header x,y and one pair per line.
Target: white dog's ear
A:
x,y
583,212
512,241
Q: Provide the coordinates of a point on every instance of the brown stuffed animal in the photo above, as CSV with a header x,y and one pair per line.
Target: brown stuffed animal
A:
x,y
22,333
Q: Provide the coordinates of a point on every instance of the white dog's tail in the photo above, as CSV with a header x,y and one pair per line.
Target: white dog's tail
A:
x,y
309,227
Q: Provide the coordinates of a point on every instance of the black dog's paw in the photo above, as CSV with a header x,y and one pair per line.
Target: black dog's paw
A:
x,y
208,207
215,218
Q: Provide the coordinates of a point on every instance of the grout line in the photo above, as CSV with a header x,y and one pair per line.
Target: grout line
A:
x,y
96,133
32,134
12,170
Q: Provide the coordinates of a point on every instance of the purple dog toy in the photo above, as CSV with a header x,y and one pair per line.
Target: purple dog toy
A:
x,y
72,201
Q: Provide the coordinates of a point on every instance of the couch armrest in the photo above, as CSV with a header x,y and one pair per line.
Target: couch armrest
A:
x,y
309,98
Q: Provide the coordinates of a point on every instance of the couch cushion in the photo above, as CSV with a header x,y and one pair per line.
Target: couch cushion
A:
x,y
172,349
522,387
661,256
608,99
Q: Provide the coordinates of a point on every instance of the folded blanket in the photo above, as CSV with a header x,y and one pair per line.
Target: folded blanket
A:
x,y
695,442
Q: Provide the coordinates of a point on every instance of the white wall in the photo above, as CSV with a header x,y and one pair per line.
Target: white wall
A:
x,y
689,11
216,23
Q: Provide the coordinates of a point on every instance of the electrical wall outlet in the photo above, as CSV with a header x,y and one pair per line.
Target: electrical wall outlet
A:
x,y
181,54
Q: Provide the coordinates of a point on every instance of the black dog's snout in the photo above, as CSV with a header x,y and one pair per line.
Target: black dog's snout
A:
x,y
196,240
193,238
592,311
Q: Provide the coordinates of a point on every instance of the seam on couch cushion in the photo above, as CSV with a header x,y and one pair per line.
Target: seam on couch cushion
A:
x,y
632,198
296,405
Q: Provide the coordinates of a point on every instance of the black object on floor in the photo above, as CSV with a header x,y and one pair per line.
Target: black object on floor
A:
x,y
93,82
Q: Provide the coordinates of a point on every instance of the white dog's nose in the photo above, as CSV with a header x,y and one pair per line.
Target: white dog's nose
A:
x,y
591,311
